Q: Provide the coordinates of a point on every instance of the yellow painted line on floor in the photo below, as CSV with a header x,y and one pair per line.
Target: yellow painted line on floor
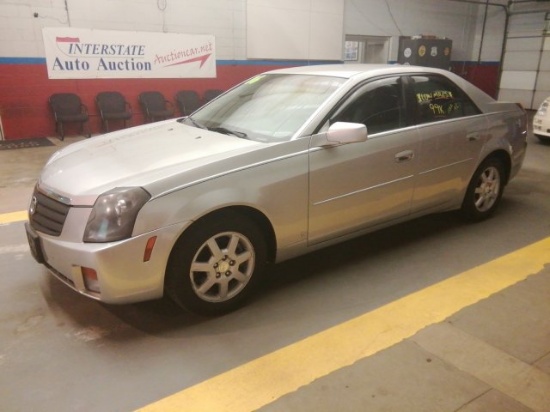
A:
x,y
263,380
13,217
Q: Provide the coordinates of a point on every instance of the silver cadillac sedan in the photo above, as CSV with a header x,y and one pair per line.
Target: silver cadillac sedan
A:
x,y
286,162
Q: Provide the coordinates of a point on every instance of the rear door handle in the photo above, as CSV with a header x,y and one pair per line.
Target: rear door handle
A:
x,y
404,156
473,136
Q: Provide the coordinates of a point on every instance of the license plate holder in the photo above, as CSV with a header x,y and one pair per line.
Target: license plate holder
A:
x,y
34,244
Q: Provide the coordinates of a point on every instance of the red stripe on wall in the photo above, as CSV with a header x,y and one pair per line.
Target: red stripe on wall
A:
x,y
67,39
484,76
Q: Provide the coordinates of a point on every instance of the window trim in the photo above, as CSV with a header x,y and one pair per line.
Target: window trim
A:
x,y
409,101
343,102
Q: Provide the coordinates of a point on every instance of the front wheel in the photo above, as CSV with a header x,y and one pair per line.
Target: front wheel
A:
x,y
484,191
216,265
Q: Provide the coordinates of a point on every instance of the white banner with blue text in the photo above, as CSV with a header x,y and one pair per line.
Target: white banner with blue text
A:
x,y
73,53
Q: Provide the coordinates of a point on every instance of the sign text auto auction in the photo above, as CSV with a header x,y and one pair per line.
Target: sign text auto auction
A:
x,y
84,53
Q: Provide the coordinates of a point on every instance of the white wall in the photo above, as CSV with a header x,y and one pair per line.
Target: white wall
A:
x,y
21,32
295,29
282,29
460,22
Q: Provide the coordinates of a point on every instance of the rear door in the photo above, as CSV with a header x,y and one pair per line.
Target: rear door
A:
x,y
452,131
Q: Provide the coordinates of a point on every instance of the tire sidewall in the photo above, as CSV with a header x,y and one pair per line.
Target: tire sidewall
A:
x,y
178,281
469,209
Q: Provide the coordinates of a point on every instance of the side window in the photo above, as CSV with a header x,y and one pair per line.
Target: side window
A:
x,y
437,98
378,105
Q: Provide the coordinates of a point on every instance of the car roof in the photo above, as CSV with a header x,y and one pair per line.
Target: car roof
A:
x,y
360,72
351,70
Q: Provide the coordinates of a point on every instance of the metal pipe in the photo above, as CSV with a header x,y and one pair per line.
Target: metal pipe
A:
x,y
505,38
483,32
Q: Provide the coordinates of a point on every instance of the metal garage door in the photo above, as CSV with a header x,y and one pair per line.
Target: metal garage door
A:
x,y
526,65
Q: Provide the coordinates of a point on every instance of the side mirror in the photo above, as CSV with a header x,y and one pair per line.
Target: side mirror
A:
x,y
344,133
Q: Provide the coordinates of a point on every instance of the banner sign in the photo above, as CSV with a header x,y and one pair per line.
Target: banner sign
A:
x,y
107,54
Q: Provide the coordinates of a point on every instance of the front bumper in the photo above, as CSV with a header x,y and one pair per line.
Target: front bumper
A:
x,y
123,276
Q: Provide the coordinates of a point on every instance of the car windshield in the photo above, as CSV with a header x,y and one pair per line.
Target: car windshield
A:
x,y
268,107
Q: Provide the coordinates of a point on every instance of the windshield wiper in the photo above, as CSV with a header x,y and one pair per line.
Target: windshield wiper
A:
x,y
193,121
228,131
223,130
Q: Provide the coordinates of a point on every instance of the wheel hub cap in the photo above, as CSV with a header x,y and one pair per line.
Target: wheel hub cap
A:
x,y
223,266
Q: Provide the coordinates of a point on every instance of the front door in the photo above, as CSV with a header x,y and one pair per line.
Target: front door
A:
x,y
358,185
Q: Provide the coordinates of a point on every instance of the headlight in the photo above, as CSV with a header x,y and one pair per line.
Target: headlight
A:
x,y
542,109
114,214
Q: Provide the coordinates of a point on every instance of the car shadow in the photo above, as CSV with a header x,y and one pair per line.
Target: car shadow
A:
x,y
162,317
325,261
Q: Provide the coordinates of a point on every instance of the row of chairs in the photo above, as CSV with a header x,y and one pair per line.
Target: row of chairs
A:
x,y
156,107
68,107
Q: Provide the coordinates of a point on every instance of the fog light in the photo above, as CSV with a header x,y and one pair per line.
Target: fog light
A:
x,y
90,279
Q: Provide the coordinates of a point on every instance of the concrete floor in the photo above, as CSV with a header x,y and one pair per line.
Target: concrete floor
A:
x,y
62,352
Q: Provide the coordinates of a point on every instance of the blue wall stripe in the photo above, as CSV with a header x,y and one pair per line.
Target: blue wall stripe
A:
x,y
22,60
42,60
274,62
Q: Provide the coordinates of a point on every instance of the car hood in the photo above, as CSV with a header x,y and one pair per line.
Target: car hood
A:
x,y
139,156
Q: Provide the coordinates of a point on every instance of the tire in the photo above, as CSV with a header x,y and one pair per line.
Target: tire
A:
x,y
216,265
484,191
543,139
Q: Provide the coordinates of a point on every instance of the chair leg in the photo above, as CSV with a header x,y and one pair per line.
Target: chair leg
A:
x,y
88,132
61,131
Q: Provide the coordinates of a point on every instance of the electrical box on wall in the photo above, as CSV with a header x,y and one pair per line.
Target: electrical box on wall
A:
x,y
428,51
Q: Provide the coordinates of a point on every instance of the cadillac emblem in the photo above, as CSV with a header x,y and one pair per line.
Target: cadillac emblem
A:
x,y
32,207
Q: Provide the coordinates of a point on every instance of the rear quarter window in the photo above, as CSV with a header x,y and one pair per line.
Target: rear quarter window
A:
x,y
436,98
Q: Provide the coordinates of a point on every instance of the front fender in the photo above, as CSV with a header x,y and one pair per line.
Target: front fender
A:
x,y
278,189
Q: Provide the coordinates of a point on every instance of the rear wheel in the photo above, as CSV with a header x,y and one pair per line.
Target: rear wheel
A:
x,y
484,191
216,264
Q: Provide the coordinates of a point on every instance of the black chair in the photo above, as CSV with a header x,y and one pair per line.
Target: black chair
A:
x,y
211,94
155,106
187,101
113,106
68,108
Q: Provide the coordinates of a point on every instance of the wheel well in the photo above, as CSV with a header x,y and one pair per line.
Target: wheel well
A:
x,y
250,213
504,158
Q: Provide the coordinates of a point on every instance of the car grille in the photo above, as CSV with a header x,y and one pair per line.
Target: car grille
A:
x,y
49,214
